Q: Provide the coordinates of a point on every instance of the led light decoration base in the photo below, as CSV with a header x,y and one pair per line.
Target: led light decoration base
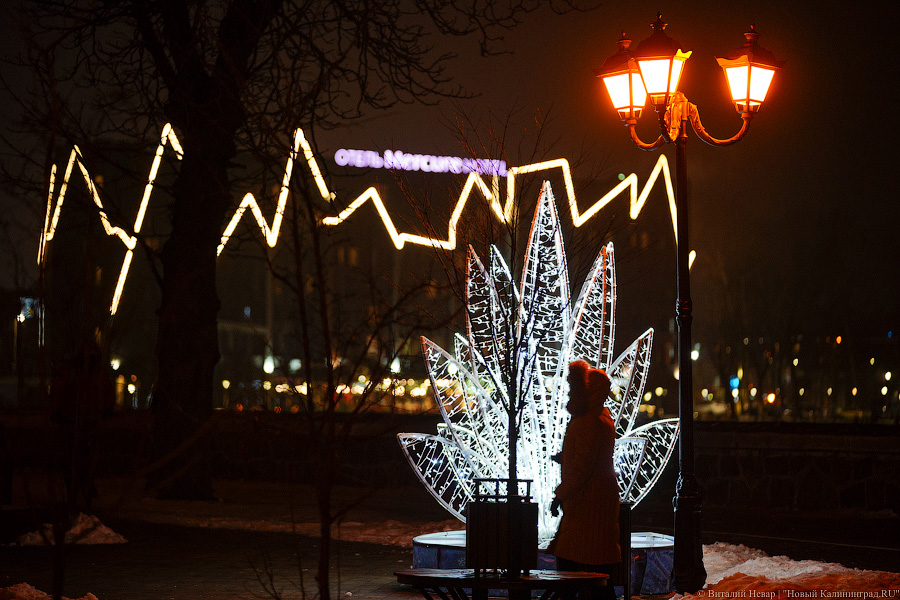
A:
x,y
651,558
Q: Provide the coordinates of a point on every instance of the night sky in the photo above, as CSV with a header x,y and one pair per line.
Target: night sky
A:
x,y
799,218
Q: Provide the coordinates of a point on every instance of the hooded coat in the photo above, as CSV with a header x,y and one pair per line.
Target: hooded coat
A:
x,y
589,530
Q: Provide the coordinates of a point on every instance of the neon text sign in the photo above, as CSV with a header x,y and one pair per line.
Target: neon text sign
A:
x,y
403,161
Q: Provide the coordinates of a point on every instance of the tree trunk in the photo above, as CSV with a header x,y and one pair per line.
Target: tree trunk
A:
x,y
324,482
188,347
205,106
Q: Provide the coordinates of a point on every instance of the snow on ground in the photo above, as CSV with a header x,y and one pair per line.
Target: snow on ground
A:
x,y
87,530
742,572
23,591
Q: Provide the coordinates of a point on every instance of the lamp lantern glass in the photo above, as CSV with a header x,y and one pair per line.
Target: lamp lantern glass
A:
x,y
622,78
661,62
749,71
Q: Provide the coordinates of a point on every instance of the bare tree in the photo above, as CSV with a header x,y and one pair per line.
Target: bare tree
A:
x,y
235,78
225,74
353,317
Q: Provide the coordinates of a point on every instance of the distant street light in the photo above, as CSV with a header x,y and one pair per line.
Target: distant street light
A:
x,y
653,70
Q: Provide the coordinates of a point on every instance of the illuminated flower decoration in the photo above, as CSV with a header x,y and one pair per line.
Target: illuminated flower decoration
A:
x,y
517,349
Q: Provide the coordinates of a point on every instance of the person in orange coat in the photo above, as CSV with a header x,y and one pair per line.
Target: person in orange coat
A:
x,y
588,535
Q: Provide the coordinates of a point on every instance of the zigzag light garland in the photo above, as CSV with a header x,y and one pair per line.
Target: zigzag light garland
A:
x,y
130,241
492,196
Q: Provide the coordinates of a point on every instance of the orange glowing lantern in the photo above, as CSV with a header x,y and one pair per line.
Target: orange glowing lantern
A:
x,y
749,70
623,81
661,61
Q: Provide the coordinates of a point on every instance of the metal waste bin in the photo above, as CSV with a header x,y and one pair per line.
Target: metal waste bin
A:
x,y
501,527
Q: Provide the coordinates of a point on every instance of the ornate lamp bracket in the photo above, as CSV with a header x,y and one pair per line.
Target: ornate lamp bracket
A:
x,y
672,124
693,115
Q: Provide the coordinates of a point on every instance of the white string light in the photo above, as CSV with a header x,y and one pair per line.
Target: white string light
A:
x,y
130,241
474,181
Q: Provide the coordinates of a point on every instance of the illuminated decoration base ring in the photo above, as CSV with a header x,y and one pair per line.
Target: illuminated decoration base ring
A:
x,y
651,558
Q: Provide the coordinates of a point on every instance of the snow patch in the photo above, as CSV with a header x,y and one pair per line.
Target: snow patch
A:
x,y
736,571
87,530
23,591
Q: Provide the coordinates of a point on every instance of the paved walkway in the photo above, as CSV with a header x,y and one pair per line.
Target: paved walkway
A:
x,y
162,562
263,537
235,548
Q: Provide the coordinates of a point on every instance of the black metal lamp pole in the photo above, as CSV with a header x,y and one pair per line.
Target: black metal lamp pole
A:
x,y
689,572
629,78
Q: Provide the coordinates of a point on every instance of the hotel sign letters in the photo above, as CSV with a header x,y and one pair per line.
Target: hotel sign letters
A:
x,y
429,163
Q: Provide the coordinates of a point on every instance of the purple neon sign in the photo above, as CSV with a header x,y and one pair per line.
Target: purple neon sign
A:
x,y
429,163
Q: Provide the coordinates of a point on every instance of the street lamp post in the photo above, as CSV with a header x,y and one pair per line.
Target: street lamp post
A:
x,y
653,71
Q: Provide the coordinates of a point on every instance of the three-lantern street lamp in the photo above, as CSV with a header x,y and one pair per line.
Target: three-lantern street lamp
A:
x,y
652,71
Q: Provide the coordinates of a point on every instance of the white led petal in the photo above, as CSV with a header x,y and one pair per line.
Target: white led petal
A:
x,y
545,303
661,437
628,454
628,375
437,462
593,329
